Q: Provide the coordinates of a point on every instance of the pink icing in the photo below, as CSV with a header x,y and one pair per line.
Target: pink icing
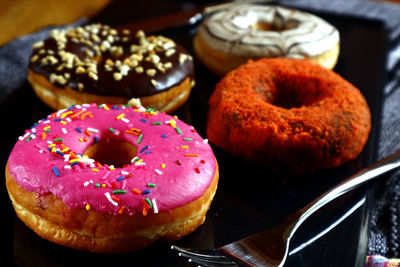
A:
x,y
175,159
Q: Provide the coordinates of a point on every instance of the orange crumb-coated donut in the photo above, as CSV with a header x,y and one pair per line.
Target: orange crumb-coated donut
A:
x,y
288,114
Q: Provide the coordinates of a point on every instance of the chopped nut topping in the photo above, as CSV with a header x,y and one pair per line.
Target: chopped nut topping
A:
x,y
134,102
80,86
155,58
170,52
54,78
153,82
117,76
160,67
124,69
109,62
95,38
134,48
60,67
134,63
113,32
151,72
138,57
150,47
80,70
182,57
140,34
108,68
101,39
52,60
34,58
93,76
88,43
89,53
38,45
104,46
110,39
168,45
96,49
168,65
92,69
127,62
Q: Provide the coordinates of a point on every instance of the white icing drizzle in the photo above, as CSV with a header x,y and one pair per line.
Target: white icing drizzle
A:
x,y
302,34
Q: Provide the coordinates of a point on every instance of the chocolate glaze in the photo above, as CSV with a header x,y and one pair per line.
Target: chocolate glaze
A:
x,y
132,85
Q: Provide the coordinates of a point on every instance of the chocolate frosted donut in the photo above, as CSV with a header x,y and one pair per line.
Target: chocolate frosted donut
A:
x,y
96,63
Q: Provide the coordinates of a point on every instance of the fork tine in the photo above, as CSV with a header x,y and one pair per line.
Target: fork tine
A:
x,y
210,264
190,252
202,258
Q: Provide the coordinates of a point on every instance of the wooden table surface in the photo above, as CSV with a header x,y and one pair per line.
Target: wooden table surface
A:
x,y
19,17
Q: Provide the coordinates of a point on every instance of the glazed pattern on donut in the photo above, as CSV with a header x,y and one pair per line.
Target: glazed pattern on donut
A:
x,y
268,31
173,165
100,60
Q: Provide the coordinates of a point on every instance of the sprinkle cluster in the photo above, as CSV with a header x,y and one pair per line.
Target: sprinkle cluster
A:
x,y
64,133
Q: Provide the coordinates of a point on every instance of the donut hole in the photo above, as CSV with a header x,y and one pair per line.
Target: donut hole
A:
x,y
112,152
290,94
277,22
275,26
288,98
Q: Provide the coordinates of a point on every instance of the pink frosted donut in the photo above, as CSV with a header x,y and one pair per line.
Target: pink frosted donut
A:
x,y
63,185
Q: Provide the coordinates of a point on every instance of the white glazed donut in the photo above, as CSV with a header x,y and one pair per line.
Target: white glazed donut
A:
x,y
229,38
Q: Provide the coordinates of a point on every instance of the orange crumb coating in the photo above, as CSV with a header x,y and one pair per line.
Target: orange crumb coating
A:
x,y
288,114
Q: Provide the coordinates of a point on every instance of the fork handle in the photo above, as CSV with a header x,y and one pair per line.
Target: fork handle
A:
x,y
361,177
257,252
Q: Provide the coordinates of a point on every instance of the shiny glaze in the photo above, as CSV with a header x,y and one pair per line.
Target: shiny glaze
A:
x,y
134,84
189,163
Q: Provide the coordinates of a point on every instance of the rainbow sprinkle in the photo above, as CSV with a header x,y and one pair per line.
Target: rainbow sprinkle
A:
x,y
109,198
149,202
191,155
140,139
155,208
119,191
56,172
136,191
105,177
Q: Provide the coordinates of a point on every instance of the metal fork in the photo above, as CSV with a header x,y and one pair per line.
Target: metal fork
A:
x,y
270,248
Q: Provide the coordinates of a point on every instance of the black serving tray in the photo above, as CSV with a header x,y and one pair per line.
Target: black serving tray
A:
x,y
249,199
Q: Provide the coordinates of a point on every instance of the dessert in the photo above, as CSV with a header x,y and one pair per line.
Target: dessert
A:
x,y
231,37
288,114
98,64
111,178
